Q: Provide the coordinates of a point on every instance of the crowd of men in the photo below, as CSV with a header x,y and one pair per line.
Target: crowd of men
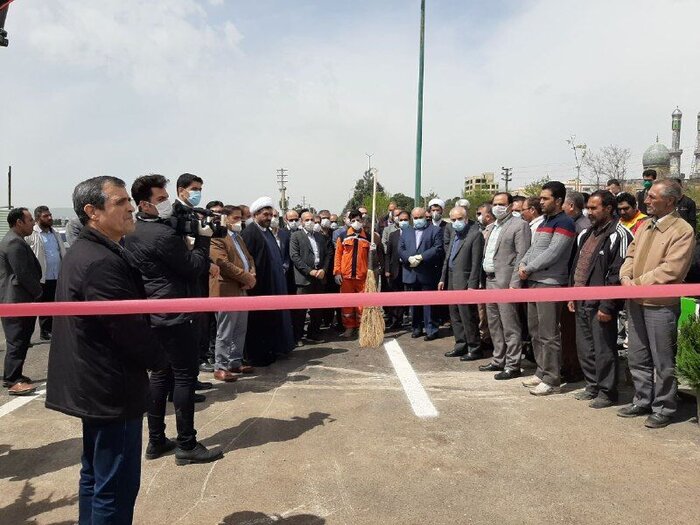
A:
x,y
110,370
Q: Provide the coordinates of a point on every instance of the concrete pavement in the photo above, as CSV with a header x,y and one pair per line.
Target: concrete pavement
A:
x,y
329,437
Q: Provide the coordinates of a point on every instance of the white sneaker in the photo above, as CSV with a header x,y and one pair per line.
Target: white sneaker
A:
x,y
543,389
532,382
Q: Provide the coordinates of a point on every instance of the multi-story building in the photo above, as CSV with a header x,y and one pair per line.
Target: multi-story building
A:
x,y
484,182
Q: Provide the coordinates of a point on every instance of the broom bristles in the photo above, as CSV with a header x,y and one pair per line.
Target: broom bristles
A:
x,y
372,322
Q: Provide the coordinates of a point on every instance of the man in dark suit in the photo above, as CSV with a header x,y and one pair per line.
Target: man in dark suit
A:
x,y
394,270
310,253
648,176
20,282
461,271
422,252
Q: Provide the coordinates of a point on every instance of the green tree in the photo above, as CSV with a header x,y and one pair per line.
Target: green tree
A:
x,y
535,187
476,198
382,204
404,202
363,188
688,357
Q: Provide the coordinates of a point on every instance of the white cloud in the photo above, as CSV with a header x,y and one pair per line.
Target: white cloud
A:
x,y
126,89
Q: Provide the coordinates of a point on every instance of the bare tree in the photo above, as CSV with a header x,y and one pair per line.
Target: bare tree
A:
x,y
610,162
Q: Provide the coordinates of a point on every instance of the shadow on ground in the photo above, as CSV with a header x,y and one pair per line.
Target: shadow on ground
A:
x,y
27,463
258,431
26,508
248,517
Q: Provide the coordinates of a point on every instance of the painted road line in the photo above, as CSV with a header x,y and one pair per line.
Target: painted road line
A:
x,y
417,396
20,401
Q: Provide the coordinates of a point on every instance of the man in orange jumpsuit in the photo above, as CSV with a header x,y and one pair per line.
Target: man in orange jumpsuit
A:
x,y
350,267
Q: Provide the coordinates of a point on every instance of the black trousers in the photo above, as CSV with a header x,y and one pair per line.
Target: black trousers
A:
x,y
18,335
180,345
315,315
48,295
596,344
201,326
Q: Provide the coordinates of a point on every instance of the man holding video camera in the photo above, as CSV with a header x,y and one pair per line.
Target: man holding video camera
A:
x,y
171,269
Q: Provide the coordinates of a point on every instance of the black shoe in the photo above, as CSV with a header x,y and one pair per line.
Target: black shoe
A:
x,y
431,337
472,356
317,339
200,398
396,325
657,421
156,450
206,367
510,373
601,402
45,336
416,334
198,454
633,411
456,353
202,385
585,395
490,368
22,379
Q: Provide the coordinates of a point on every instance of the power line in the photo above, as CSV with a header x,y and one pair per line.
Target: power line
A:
x,y
506,176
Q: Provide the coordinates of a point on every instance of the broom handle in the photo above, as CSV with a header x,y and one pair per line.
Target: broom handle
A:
x,y
374,212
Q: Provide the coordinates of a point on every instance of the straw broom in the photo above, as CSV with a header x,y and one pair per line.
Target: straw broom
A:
x,y
372,321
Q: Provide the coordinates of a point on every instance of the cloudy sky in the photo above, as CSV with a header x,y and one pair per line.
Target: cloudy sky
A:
x,y
234,89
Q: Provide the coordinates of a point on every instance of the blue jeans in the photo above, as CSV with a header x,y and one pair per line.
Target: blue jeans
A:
x,y
111,471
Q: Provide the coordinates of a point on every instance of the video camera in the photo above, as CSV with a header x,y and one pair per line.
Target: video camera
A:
x,y
4,42
192,225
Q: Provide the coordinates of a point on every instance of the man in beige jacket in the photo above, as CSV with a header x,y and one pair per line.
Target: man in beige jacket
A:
x,y
237,274
661,253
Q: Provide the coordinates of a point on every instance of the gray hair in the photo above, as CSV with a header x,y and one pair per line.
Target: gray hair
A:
x,y
670,188
576,199
91,191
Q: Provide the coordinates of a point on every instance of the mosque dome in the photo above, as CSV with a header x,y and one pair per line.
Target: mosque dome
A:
x,y
656,155
677,112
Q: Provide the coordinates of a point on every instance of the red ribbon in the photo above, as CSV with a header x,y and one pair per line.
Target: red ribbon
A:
x,y
339,300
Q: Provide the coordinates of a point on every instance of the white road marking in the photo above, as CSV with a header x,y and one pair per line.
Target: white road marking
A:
x,y
417,396
20,401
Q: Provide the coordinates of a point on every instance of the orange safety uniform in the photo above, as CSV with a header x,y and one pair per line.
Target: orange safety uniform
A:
x,y
634,224
351,262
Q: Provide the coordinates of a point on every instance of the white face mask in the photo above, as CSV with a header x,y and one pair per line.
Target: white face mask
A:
x,y
517,214
356,225
437,216
165,209
325,223
480,219
236,227
275,222
317,227
585,212
309,226
334,226
293,225
499,211
249,221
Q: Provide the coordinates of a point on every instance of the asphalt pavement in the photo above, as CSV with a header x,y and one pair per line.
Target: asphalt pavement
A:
x,y
330,436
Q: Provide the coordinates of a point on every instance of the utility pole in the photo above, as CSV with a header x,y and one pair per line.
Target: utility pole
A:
x,y
282,181
419,129
575,147
506,176
9,187
303,202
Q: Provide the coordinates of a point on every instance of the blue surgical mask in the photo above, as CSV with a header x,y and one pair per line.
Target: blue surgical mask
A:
x,y
459,225
195,196
404,225
420,224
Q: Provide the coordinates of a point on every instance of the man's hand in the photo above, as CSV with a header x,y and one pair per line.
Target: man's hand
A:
x,y
603,317
320,274
441,286
626,281
338,279
373,247
214,270
571,306
387,274
249,280
204,230
523,274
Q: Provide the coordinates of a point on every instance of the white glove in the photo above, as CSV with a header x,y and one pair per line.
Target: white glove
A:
x,y
204,230
413,261
338,279
419,258
373,247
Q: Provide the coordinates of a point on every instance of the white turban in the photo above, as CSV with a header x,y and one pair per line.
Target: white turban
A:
x,y
464,203
437,202
262,202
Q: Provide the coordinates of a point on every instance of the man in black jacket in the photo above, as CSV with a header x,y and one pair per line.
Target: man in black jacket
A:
x,y
20,282
393,269
687,208
170,271
97,364
601,250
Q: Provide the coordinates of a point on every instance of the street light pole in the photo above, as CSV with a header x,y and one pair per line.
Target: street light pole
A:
x,y
419,130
